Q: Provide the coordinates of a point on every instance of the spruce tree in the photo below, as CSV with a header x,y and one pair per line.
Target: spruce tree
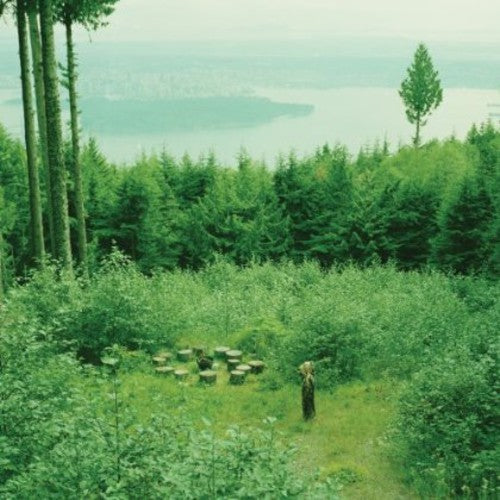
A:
x,y
30,135
54,137
37,67
90,14
421,90
464,222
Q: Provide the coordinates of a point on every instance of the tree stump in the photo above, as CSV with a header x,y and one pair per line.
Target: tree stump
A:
x,y
164,354
257,366
220,352
181,374
306,370
184,355
208,377
246,369
236,377
234,354
164,370
159,360
232,364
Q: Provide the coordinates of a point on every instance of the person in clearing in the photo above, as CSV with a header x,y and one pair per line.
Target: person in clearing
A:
x,y
306,370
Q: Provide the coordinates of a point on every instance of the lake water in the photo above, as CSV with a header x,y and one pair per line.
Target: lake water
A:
x,y
352,116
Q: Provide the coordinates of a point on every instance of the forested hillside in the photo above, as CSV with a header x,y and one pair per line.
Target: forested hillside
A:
x,y
433,207
322,327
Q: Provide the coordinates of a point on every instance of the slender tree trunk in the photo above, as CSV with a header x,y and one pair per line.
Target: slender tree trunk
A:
x,y
36,51
2,289
416,141
75,141
54,138
30,136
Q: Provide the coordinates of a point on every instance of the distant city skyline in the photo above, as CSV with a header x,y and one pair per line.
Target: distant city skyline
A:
x,y
242,20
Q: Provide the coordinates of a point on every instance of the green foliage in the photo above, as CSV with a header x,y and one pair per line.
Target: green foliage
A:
x,y
421,90
447,425
70,434
464,221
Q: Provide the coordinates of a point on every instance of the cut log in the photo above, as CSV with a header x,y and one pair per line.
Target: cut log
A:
x,y
237,377
184,355
220,352
232,364
181,374
208,377
246,369
164,370
159,360
234,354
257,366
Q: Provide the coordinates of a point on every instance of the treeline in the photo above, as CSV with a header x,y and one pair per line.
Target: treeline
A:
x,y
437,205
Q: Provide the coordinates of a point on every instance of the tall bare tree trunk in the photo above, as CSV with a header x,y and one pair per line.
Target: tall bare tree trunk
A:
x,y
36,52
75,142
2,289
30,136
54,138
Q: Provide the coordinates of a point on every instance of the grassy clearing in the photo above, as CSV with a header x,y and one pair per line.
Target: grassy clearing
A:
x,y
347,440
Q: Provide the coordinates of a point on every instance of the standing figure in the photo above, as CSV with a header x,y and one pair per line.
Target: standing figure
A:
x,y
307,373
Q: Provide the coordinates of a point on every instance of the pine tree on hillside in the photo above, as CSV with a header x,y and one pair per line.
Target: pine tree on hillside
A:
x,y
54,138
37,239
412,224
464,222
421,90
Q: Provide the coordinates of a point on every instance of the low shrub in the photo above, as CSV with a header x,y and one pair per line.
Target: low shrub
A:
x,y
447,428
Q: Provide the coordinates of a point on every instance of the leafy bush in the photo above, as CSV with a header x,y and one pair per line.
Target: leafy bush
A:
x,y
447,426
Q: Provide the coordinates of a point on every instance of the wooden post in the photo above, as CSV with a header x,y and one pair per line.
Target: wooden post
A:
x,y
306,370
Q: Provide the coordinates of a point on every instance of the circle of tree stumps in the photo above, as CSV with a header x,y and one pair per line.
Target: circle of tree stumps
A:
x,y
238,370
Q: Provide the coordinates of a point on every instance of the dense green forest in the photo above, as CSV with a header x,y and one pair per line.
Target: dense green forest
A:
x,y
379,269
432,207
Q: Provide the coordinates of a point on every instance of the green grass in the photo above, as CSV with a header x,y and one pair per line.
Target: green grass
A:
x,y
347,439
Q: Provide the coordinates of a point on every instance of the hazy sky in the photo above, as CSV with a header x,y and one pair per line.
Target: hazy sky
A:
x,y
428,20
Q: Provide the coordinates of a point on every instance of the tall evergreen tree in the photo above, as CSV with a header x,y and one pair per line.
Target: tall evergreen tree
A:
x,y
421,90
462,242
90,14
30,134
54,137
36,51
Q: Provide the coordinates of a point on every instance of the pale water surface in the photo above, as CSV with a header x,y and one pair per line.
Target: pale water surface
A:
x,y
352,116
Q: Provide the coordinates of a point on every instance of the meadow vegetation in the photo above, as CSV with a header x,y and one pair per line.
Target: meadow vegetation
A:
x,y
406,372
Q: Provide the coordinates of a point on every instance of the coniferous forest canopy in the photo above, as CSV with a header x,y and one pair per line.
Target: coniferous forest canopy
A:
x,y
380,267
